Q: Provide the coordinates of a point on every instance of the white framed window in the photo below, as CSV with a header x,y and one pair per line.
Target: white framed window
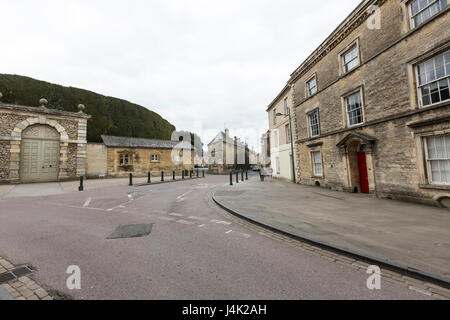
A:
x,y
354,109
276,141
433,79
286,106
422,10
316,157
278,168
288,133
350,59
155,157
311,86
314,124
274,116
125,159
437,152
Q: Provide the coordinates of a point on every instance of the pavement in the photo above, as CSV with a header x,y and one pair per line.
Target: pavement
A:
x,y
175,243
400,233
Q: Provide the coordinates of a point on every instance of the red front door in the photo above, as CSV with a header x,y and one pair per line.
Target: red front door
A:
x,y
363,175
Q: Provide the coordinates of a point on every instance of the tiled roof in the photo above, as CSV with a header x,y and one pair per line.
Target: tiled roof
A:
x,y
128,142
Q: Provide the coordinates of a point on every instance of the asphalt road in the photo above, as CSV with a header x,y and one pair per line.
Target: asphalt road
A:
x,y
192,252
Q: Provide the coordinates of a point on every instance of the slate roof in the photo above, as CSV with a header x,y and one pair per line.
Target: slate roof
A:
x,y
128,142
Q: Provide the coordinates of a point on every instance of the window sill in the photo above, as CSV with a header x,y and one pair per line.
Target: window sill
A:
x,y
125,165
435,186
155,161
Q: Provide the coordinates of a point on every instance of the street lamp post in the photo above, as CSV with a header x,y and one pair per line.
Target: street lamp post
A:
x,y
292,143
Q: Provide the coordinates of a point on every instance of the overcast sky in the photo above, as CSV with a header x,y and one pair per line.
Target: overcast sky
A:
x,y
201,64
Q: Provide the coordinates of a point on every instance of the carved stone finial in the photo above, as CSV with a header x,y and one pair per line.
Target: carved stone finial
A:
x,y
43,103
81,108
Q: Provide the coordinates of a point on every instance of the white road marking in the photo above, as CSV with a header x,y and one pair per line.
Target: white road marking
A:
x,y
88,202
202,225
130,196
167,218
196,218
221,222
176,214
183,196
185,222
230,231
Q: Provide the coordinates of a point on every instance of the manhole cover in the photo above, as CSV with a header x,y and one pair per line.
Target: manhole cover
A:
x,y
6,277
131,231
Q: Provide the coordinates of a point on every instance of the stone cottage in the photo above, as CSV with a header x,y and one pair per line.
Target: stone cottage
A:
x,y
120,156
41,144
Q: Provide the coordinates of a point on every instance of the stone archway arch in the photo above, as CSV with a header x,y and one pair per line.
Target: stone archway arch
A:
x,y
16,141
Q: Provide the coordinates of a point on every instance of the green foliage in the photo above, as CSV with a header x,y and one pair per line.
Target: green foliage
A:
x,y
110,116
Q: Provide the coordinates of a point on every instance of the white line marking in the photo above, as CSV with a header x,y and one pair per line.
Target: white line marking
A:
x,y
196,218
130,197
88,201
202,225
183,196
230,231
221,222
185,222
167,218
176,214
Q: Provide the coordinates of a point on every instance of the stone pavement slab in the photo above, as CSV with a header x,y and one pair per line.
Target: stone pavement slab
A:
x,y
406,234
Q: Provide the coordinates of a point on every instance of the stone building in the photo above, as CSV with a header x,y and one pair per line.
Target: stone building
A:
x,y
280,136
372,103
120,156
38,144
226,154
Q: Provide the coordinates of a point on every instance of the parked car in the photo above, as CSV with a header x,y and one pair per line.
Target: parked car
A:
x,y
256,168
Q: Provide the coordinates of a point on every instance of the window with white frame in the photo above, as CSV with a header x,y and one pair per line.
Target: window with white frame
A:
x,y
314,124
350,59
275,139
316,157
311,86
155,157
353,105
422,10
287,129
126,159
286,106
434,79
274,116
437,150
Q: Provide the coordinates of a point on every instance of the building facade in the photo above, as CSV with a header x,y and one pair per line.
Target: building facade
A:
x,y
372,104
280,136
38,144
120,156
226,154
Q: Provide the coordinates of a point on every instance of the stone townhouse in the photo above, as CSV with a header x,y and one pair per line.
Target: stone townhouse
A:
x,y
120,156
38,144
280,136
372,103
226,154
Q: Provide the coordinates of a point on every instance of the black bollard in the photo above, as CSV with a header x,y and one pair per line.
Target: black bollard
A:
x,y
246,174
237,177
203,172
197,172
242,175
173,175
149,178
231,178
162,176
182,174
131,179
81,188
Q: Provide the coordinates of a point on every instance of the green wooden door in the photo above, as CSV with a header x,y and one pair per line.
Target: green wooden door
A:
x,y
39,160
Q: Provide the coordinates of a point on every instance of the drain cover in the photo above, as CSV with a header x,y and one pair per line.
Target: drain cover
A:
x,y
131,231
21,271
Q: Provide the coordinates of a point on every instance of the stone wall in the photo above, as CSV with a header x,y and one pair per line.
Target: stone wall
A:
x,y
4,159
142,162
96,160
